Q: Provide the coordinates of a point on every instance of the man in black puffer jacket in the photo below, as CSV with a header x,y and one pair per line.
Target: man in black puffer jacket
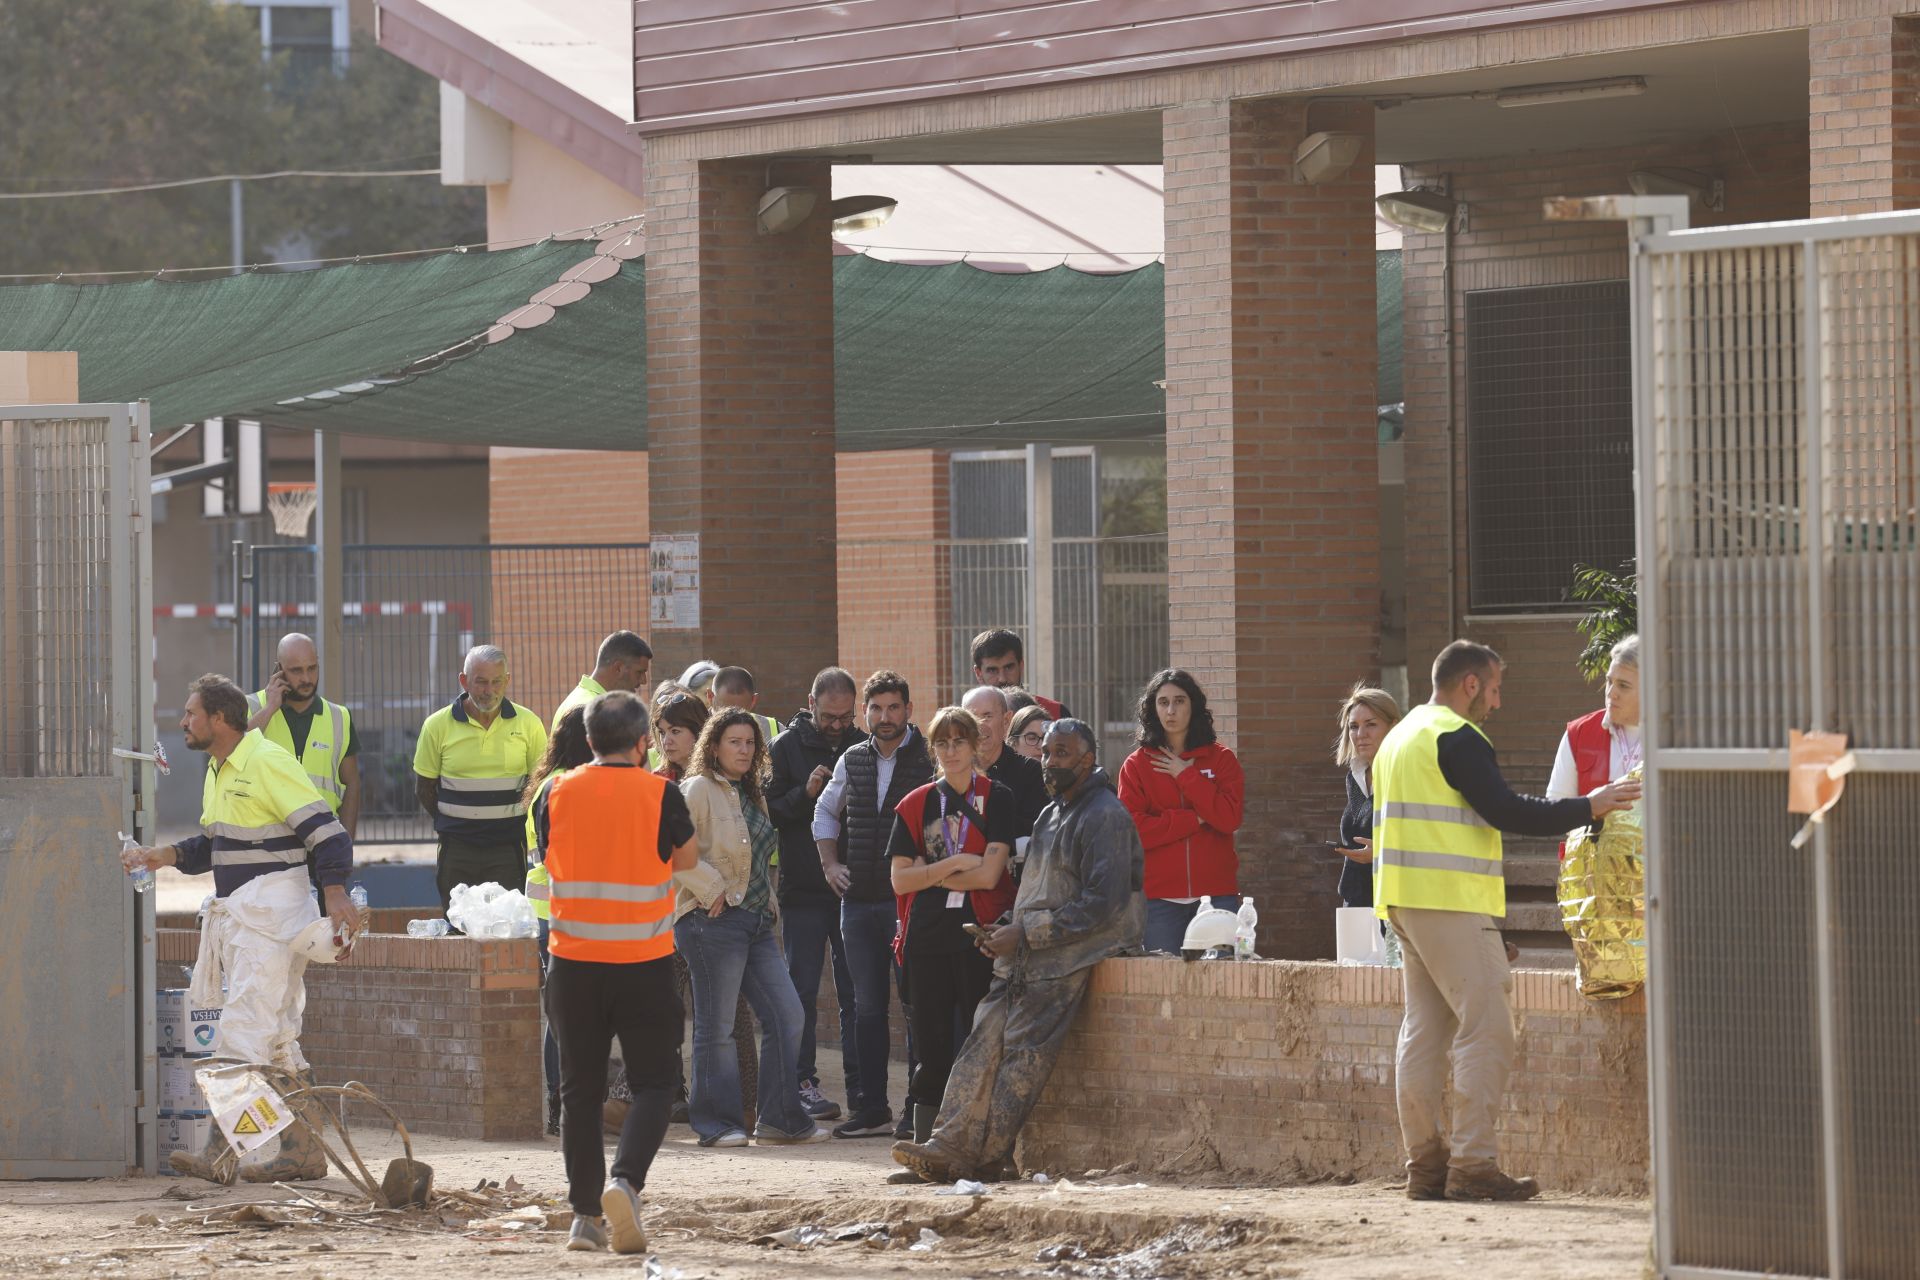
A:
x,y
803,760
851,823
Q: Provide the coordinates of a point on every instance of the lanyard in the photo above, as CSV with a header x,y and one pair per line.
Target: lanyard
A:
x,y
956,844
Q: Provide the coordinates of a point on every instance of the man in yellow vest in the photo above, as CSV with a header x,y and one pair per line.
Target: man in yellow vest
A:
x,y
623,662
319,734
615,836
1439,806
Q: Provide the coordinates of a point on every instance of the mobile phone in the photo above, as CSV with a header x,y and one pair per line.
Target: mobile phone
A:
x,y
977,931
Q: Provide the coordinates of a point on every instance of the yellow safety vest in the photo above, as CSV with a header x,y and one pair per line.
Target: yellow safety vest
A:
x,y
1430,849
322,753
539,882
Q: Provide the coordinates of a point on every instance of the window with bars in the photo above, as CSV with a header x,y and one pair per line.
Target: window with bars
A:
x,y
1549,440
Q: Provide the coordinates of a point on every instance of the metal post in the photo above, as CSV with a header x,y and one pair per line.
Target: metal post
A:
x,y
329,579
237,225
1039,638
240,626
1819,655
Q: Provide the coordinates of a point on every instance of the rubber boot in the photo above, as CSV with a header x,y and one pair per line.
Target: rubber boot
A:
x,y
923,1118
216,1162
301,1157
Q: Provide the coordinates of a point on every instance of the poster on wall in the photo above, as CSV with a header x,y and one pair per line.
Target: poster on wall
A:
x,y
673,582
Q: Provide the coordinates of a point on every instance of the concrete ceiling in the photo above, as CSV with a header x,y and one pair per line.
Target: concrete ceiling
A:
x,y
1691,89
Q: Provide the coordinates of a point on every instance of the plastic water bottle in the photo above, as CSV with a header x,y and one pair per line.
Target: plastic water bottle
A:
x,y
1245,925
142,877
435,928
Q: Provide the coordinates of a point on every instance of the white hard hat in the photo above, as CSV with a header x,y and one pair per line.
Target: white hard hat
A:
x,y
317,942
1210,927
698,676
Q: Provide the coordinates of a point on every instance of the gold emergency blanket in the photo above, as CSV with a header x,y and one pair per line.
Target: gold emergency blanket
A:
x,y
1603,905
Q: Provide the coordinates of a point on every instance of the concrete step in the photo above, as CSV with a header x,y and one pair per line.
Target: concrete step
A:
x,y
1532,872
1532,917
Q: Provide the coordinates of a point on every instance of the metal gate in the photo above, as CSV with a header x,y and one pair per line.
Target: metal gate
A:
x,y
1776,383
411,614
77,1096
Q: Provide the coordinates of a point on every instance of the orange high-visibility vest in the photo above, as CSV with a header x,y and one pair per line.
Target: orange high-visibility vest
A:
x,y
612,895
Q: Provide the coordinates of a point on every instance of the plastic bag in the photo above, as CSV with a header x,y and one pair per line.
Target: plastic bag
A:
x,y
1603,905
491,911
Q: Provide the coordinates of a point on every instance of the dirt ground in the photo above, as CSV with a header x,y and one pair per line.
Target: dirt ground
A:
x,y
705,1209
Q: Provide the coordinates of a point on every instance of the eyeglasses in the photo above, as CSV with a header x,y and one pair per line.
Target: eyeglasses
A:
x,y
944,745
826,721
1033,739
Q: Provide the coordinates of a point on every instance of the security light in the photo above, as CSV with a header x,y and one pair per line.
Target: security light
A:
x,y
1427,211
860,213
784,208
1322,157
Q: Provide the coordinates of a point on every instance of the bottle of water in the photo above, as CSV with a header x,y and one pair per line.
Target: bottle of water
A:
x,y
142,877
1245,926
435,928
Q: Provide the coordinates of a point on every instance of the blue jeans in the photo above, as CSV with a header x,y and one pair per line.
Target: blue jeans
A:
x,y
867,929
807,929
728,955
1167,920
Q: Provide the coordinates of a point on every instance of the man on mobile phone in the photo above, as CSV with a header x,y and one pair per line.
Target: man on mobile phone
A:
x,y
319,734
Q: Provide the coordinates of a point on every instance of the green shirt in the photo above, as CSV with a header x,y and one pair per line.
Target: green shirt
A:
x,y
766,844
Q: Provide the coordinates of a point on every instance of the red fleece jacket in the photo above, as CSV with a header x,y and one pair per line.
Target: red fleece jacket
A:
x,y
1187,823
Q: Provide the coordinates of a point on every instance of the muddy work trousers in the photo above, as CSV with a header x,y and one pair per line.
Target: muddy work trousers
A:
x,y
1002,1069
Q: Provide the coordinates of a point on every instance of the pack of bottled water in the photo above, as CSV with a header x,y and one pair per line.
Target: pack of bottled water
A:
x,y
492,911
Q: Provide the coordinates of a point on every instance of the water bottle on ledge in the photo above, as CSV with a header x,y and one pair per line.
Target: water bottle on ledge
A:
x,y
1246,925
435,928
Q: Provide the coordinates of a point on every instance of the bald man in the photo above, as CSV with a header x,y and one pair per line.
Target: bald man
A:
x,y
317,733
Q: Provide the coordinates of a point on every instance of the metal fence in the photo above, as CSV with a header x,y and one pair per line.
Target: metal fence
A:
x,y
411,614
1778,439
77,1092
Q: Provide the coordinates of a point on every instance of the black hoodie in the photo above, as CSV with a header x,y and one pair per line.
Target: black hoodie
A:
x,y
796,753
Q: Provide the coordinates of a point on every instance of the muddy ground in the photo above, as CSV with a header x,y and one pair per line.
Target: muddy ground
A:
x,y
705,1209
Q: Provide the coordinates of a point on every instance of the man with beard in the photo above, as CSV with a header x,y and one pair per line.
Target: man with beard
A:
x,y
803,761
291,714
851,823
1080,901
470,772
263,826
1439,806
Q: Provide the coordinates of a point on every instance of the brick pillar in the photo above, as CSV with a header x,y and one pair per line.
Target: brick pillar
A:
x,y
1272,474
1863,116
740,418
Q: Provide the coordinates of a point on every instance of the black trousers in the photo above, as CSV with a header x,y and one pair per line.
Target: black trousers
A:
x,y
943,990
464,861
588,1004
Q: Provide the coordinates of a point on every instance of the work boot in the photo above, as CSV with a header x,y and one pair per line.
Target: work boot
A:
x,y
1487,1182
932,1161
216,1162
301,1157
1427,1174
923,1118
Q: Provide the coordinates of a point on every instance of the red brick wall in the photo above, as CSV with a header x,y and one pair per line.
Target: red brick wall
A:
x,y
1863,112
1272,465
445,1030
1286,1070
1508,244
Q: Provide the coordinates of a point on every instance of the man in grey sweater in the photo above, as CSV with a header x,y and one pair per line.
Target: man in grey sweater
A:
x,y
1080,901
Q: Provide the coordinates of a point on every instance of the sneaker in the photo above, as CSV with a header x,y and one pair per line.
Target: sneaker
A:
x,y
766,1137
903,1132
877,1124
587,1236
731,1138
818,1104
1488,1183
679,1113
622,1206
553,1117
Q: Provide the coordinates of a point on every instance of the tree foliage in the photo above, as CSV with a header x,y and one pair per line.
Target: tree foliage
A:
x,y
1614,615
108,93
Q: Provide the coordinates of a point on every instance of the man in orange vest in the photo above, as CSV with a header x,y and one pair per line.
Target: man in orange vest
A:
x,y
615,835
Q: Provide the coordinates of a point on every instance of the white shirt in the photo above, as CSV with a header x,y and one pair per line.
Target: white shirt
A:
x,y
833,797
1623,756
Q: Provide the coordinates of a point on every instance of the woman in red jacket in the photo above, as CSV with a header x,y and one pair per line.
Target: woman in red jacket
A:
x,y
1185,792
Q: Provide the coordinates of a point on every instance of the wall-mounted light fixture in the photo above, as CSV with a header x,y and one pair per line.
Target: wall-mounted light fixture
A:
x,y
1424,211
860,213
784,208
1322,157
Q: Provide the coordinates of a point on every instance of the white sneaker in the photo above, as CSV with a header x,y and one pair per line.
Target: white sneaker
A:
x,y
818,1104
731,1138
621,1205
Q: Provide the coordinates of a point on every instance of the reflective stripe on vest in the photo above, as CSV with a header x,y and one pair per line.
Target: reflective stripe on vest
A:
x,y
483,797
611,894
538,884
1431,849
320,760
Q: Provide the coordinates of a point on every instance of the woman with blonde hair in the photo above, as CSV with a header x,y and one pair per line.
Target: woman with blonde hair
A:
x,y
1365,718
724,925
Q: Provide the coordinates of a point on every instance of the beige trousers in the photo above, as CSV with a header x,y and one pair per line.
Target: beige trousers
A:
x,y
1460,1006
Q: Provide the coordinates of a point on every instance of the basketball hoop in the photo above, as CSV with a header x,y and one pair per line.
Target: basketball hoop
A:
x,y
292,508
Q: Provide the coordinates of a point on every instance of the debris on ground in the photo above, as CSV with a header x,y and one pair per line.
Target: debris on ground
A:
x,y
490,1211
1158,1258
964,1187
929,1241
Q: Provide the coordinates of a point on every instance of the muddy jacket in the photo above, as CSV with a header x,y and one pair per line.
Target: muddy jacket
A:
x,y
1080,898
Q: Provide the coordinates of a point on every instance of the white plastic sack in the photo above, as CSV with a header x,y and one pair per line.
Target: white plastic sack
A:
x,y
491,911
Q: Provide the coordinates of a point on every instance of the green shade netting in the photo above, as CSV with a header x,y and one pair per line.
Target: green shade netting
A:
x,y
925,356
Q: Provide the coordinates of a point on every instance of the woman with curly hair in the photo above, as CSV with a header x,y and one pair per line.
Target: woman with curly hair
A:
x,y
1186,793
724,925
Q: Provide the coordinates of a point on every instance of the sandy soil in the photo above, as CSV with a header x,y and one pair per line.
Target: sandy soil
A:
x,y
705,1209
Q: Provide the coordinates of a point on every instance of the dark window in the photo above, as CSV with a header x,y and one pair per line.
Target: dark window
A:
x,y
1549,440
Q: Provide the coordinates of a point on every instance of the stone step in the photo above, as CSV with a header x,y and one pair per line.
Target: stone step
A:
x,y
1533,917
